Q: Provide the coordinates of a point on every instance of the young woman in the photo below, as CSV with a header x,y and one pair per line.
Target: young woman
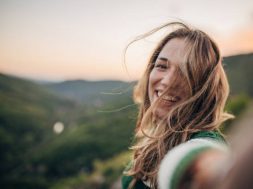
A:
x,y
181,97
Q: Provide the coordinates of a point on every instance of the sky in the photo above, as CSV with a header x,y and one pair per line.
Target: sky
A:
x,y
85,39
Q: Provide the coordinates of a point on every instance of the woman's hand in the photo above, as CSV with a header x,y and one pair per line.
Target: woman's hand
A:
x,y
206,171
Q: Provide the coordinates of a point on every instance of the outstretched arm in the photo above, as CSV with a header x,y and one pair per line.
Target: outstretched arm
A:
x,y
197,164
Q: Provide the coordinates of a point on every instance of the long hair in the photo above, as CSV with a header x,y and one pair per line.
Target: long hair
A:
x,y
203,110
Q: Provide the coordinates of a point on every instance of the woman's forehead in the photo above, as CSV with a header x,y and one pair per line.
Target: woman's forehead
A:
x,y
173,51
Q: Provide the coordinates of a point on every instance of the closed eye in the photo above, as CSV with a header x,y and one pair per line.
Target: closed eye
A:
x,y
161,66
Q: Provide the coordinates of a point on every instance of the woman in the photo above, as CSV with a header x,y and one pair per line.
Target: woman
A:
x,y
181,96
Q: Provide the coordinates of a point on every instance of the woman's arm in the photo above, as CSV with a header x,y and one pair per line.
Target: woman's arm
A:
x,y
197,164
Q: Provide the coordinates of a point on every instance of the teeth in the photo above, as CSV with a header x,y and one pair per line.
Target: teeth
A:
x,y
170,98
167,97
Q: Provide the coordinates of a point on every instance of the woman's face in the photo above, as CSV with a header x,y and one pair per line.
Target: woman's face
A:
x,y
166,81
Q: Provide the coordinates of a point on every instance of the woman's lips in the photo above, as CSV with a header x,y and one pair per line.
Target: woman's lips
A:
x,y
167,98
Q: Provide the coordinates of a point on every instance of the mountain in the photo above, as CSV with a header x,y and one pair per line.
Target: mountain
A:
x,y
34,156
94,93
239,69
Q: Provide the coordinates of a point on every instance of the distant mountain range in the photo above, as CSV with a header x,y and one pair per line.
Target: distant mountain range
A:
x,y
239,70
93,92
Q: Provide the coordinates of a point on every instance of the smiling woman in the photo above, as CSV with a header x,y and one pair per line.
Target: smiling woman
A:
x,y
181,98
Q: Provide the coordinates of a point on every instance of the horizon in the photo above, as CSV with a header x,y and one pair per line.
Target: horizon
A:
x,y
48,80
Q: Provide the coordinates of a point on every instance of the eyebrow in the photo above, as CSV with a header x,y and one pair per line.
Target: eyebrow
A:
x,y
164,59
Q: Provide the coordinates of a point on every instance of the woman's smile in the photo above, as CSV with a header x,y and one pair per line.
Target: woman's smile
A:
x,y
170,98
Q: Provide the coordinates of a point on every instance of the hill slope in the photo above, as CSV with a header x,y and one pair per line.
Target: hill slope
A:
x,y
94,93
239,69
32,155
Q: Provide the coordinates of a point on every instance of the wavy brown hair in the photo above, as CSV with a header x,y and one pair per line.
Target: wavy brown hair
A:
x,y
203,110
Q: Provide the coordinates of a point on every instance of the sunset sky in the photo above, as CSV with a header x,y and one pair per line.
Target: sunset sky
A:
x,y
84,39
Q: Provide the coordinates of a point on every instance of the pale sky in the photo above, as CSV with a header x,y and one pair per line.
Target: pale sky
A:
x,y
85,39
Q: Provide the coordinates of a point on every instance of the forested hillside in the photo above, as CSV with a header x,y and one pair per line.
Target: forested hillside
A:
x,y
239,69
33,156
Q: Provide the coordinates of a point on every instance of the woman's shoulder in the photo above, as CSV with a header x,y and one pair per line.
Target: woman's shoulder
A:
x,y
213,135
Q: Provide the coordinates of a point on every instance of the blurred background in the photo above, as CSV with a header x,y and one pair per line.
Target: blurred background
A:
x,y
66,111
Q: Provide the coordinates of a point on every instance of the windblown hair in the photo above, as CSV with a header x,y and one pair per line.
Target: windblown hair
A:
x,y
203,110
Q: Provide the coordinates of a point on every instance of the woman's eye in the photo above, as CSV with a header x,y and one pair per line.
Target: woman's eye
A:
x,y
161,66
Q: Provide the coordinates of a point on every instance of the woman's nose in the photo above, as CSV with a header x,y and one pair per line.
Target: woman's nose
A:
x,y
170,79
167,78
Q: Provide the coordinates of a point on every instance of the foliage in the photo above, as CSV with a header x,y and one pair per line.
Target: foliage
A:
x,y
235,106
104,175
